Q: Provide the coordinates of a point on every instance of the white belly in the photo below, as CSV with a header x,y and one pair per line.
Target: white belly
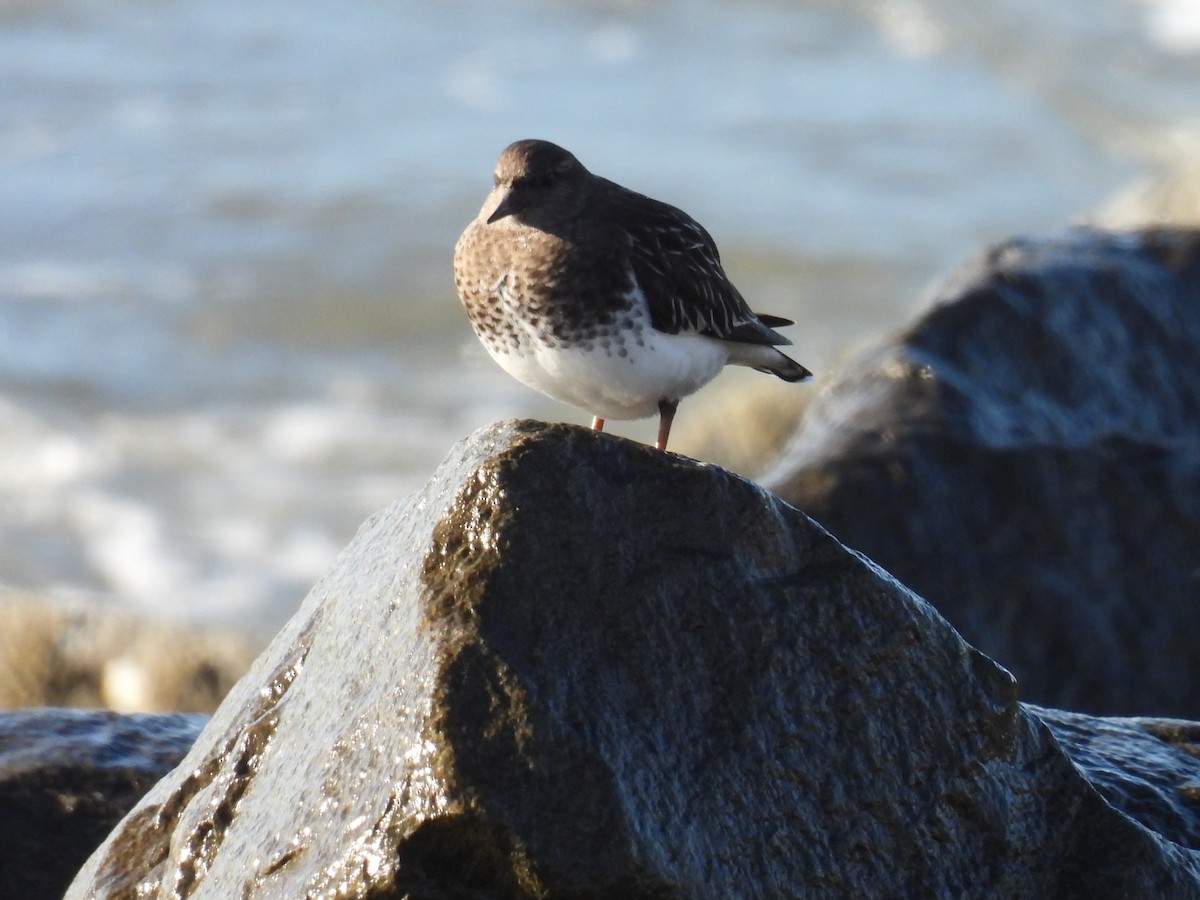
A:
x,y
608,384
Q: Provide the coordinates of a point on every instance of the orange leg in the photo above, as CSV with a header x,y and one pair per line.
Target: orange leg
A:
x,y
666,415
597,423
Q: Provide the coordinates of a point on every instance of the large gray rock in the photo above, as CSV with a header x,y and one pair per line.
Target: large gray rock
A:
x,y
1147,768
1026,457
577,667
67,776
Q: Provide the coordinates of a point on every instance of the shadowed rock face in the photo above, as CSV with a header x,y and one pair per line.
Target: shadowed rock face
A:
x,y
576,667
67,776
1027,458
1147,768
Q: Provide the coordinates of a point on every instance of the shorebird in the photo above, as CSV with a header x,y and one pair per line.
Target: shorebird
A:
x,y
601,297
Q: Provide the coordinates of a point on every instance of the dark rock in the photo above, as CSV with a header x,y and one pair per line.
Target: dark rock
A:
x,y
1027,458
66,778
1146,768
576,667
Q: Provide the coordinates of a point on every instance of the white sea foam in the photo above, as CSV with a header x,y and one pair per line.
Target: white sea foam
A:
x,y
1174,25
227,323
126,546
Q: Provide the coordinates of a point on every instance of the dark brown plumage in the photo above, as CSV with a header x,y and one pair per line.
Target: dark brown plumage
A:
x,y
602,297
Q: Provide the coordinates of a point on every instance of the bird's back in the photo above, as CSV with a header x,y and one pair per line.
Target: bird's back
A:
x,y
677,265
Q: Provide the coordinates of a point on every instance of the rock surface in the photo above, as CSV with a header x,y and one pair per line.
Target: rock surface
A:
x,y
1026,457
66,778
1146,768
576,667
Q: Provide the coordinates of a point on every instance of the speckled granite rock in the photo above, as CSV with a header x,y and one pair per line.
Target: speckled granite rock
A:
x,y
1026,457
576,667
67,776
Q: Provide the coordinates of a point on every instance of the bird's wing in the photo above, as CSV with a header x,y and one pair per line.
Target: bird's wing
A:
x,y
678,268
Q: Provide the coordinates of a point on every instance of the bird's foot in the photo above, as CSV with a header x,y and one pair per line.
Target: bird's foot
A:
x,y
666,415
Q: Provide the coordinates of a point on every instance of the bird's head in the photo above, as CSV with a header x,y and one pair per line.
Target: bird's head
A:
x,y
536,180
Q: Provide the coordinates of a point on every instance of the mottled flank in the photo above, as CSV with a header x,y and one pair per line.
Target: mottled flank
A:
x,y
602,297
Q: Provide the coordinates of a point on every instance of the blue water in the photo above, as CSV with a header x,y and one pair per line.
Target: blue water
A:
x,y
227,327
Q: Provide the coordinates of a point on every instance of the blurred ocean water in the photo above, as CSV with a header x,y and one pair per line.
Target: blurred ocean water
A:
x,y
228,330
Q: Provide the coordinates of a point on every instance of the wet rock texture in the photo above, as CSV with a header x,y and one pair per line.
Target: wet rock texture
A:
x,y
576,667
1026,457
1147,768
66,778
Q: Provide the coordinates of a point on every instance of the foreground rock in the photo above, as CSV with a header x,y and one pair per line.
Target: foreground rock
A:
x,y
1027,458
576,667
66,778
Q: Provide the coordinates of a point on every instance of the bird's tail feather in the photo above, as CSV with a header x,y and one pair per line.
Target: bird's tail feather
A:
x,y
767,359
786,368
773,321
